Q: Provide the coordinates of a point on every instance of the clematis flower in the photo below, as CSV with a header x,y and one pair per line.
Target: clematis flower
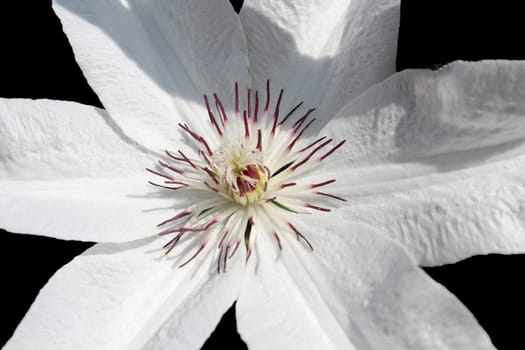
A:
x,y
330,233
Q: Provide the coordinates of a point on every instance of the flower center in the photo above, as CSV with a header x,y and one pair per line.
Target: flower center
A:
x,y
249,176
241,172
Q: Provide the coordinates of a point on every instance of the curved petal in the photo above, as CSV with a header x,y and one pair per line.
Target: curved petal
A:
x,y
95,210
357,290
322,52
126,297
65,173
53,140
435,159
150,61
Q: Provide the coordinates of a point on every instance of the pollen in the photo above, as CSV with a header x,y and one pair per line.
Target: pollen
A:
x,y
247,177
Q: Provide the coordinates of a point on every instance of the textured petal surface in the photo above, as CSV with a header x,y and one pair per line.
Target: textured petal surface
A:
x,y
357,290
436,160
150,61
128,296
66,173
321,52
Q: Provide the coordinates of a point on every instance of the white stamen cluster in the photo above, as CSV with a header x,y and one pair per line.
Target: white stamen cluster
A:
x,y
246,178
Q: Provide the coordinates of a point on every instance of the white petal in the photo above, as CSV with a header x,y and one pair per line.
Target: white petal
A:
x,y
126,297
357,290
150,62
436,160
64,172
321,52
53,140
96,210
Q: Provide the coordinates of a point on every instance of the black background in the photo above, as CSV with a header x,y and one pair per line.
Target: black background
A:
x,y
36,62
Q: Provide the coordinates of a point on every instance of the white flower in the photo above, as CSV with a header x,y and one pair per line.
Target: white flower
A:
x,y
432,160
247,177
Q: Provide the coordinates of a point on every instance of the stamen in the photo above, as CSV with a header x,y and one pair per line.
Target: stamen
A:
x,y
249,103
311,206
276,235
220,107
299,135
308,157
211,187
172,168
196,137
290,113
322,183
237,244
288,185
331,196
194,255
300,122
159,174
212,116
237,99
300,235
256,111
176,217
312,144
225,257
332,150
167,187
244,182
185,159
276,112
259,140
212,175
267,97
246,127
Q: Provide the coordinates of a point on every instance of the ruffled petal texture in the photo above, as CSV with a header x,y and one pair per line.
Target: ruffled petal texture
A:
x,y
436,160
357,290
129,296
66,173
149,62
322,52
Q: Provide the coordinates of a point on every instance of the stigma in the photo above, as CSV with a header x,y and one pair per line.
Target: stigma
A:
x,y
247,177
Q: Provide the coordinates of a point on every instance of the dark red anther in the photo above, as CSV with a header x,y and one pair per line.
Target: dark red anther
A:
x,y
237,99
267,97
212,116
299,235
246,126
259,140
301,120
195,255
211,187
309,156
312,144
220,107
197,137
276,112
331,196
320,184
289,184
237,244
171,167
332,150
249,103
311,206
256,110
290,146
290,113
186,159
211,175
180,215
276,235
159,174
